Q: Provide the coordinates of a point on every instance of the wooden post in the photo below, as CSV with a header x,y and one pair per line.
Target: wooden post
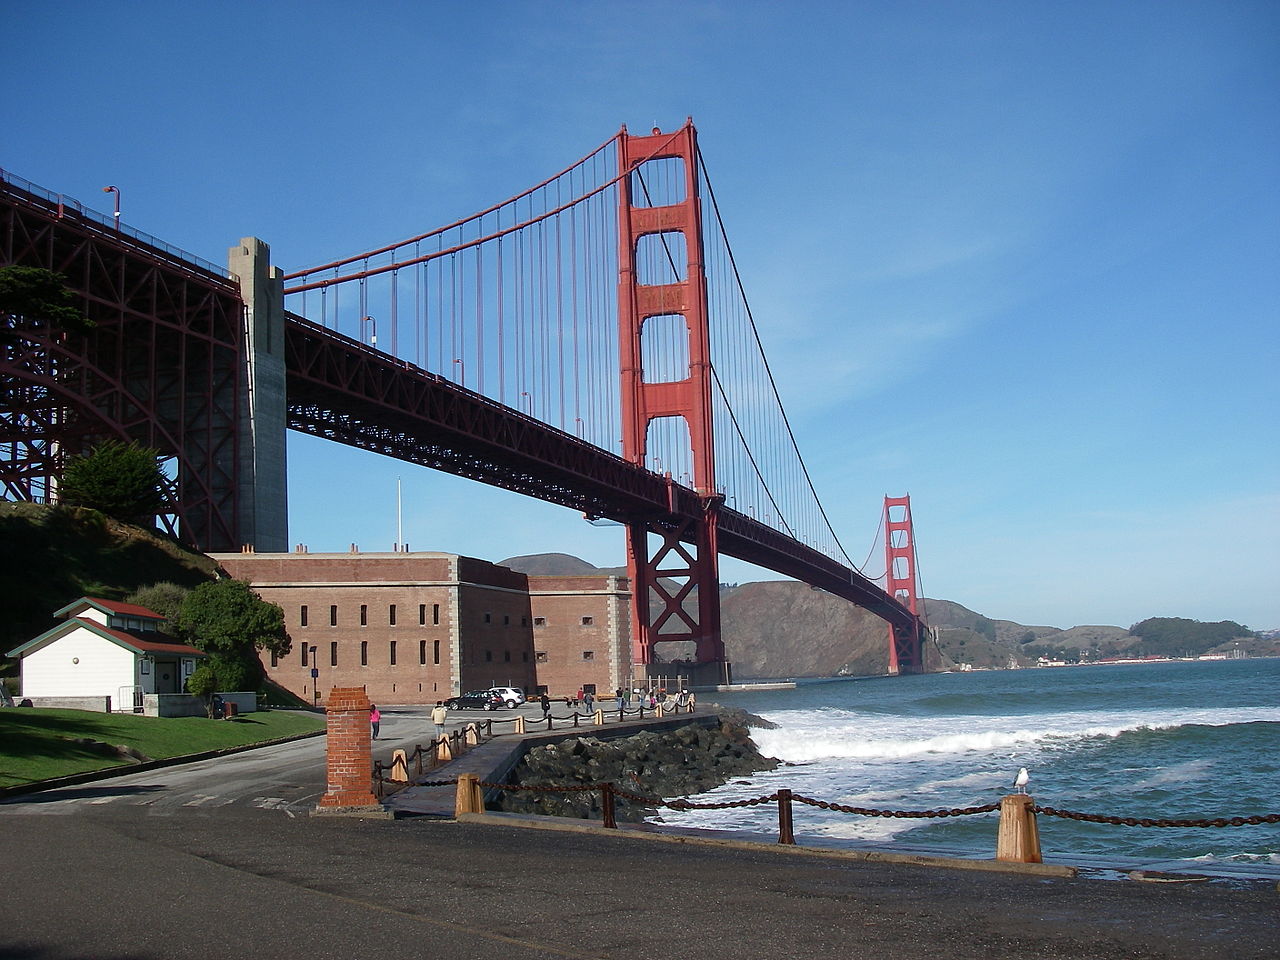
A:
x,y
444,751
399,767
471,735
1018,839
519,724
785,832
599,718
657,711
607,806
468,799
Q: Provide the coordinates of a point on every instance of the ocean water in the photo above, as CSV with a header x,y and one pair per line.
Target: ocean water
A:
x,y
1160,740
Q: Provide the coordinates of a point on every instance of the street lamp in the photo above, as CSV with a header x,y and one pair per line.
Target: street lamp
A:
x,y
526,401
373,341
315,678
116,191
581,426
462,379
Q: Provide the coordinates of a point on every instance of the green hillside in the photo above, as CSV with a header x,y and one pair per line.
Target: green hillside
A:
x,y
50,555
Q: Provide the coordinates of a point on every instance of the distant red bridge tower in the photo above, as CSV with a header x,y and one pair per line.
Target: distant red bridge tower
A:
x,y
906,645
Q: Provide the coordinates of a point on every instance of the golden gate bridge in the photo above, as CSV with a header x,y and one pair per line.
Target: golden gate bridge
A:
x,y
587,342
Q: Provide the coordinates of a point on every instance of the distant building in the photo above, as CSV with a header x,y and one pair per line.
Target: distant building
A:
x,y
420,627
104,649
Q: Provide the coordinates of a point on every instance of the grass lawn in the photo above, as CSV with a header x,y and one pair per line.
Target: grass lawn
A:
x,y
40,744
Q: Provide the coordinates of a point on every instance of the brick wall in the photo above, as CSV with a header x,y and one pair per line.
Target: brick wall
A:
x,y
581,633
349,754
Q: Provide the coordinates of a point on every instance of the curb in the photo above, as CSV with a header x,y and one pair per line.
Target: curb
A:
x,y
109,773
536,822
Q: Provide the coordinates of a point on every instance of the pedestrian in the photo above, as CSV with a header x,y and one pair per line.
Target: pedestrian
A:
x,y
578,699
546,705
438,717
375,719
589,699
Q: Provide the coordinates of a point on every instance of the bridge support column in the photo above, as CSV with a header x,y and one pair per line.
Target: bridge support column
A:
x,y
264,507
906,645
687,555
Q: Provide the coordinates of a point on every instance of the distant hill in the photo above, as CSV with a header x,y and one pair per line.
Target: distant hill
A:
x,y
783,628
50,555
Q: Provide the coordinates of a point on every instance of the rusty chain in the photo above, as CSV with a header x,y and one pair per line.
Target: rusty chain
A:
x,y
912,814
1147,822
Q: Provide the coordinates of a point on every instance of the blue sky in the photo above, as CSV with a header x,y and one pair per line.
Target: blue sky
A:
x,y
1020,260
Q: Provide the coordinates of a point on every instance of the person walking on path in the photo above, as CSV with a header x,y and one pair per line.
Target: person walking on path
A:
x,y
578,699
546,706
438,716
375,719
589,699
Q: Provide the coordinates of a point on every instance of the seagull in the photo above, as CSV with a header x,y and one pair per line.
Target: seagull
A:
x,y
1021,780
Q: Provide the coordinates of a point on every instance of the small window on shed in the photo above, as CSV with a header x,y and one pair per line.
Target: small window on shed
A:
x,y
540,656
539,621
588,655
588,621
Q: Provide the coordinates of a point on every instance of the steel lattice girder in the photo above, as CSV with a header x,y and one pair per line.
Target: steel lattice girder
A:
x,y
162,365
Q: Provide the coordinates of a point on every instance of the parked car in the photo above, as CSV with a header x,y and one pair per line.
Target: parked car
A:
x,y
475,700
511,697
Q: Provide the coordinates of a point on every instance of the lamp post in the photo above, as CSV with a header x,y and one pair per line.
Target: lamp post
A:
x,y
373,340
315,678
580,425
116,191
462,367
526,402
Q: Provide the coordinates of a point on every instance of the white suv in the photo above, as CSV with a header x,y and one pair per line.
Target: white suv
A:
x,y
512,697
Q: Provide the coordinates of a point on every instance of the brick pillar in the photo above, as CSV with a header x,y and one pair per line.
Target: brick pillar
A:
x,y
349,765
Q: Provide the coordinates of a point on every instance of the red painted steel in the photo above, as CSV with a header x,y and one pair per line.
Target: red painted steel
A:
x,y
162,365
669,616
906,653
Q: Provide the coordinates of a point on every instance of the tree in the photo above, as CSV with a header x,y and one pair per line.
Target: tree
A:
x,y
231,623
123,480
33,296
164,598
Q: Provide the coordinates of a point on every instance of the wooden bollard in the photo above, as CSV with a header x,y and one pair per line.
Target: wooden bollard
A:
x,y
599,718
786,833
657,711
468,798
1018,839
519,724
399,767
471,735
444,750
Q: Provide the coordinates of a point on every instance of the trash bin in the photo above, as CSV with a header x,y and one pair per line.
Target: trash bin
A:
x,y
230,709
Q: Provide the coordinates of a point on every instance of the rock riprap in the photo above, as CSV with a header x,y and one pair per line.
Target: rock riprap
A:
x,y
668,764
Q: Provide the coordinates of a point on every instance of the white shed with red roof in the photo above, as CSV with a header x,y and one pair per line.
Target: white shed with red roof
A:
x,y
105,648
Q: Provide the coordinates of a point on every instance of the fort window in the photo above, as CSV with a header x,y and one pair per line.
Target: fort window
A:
x,y
506,620
304,654
488,618
364,614
589,688
422,652
588,621
488,656
435,615
506,656
524,621
333,653
333,615
541,656
391,615
435,653
524,655
393,653
588,655
302,615
275,660
422,616
364,653
539,621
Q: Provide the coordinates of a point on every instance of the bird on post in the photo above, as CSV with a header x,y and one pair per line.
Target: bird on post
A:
x,y
1021,780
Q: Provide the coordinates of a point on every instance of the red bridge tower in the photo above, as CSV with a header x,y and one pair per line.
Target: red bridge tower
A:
x,y
906,646
686,555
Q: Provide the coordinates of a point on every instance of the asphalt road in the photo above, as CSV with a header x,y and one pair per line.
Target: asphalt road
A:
x,y
199,862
